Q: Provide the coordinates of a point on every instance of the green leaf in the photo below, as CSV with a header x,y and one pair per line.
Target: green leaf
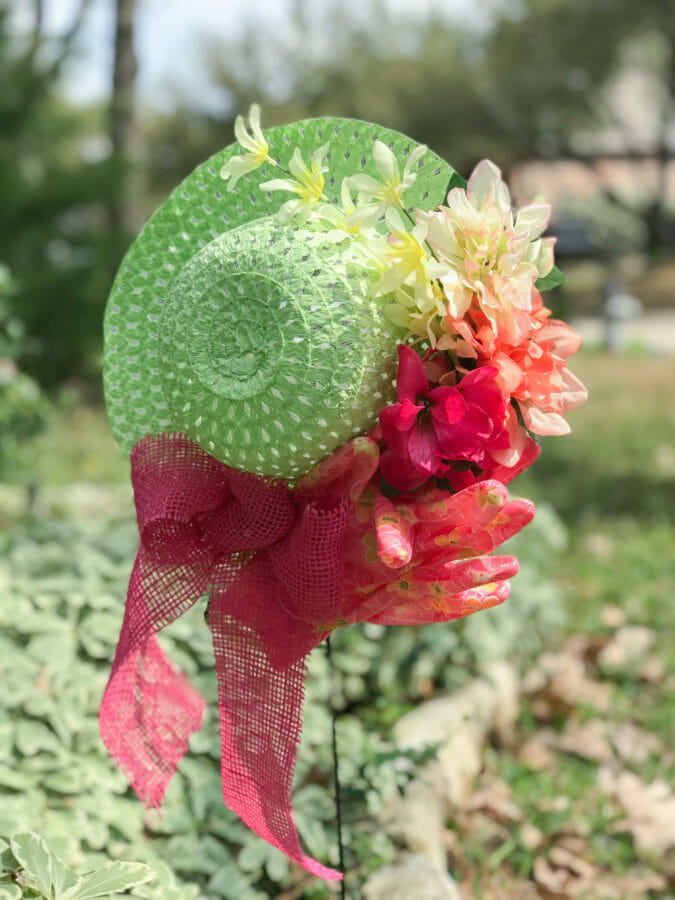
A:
x,y
36,860
10,892
7,860
63,878
11,777
21,810
228,881
252,856
554,279
195,853
54,648
112,878
62,781
31,737
6,739
456,181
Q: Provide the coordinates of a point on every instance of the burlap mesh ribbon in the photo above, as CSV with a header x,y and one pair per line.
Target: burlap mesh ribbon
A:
x,y
282,567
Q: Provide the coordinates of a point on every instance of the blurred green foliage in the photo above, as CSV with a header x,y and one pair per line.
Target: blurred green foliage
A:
x,y
23,406
31,870
54,235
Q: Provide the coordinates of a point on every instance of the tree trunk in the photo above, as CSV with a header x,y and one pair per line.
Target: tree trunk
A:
x,y
124,209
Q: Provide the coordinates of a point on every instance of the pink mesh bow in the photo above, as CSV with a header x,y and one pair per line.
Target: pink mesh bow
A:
x,y
282,567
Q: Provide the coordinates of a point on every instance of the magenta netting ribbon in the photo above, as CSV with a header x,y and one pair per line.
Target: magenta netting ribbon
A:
x,y
282,567
272,566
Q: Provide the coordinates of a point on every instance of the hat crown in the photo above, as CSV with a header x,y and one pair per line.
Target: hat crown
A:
x,y
242,358
271,351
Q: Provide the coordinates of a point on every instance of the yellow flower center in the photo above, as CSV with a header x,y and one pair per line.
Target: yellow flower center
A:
x,y
310,188
261,151
391,193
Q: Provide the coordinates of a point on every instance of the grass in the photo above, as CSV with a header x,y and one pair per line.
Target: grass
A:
x,y
75,446
613,483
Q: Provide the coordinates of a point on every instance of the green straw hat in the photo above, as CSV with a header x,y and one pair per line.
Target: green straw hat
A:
x,y
258,340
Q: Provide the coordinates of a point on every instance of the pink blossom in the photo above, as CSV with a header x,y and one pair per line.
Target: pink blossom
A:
x,y
433,426
533,371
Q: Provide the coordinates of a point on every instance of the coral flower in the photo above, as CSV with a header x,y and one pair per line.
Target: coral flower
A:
x,y
431,426
533,371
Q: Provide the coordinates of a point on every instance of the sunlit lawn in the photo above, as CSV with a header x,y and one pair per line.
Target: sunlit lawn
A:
x,y
613,482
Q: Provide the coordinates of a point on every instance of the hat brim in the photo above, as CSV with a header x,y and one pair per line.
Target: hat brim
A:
x,y
200,210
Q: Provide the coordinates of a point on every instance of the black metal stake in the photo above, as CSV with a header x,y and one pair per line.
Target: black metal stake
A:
x,y
336,776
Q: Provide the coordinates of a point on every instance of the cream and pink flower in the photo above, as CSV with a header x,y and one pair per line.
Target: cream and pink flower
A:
x,y
491,257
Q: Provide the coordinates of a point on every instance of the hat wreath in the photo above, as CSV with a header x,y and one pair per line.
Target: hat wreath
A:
x,y
327,354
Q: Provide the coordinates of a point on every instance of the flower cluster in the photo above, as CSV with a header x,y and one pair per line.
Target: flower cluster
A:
x,y
484,366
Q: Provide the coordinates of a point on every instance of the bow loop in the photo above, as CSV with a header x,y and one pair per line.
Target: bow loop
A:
x,y
257,513
312,589
167,542
175,483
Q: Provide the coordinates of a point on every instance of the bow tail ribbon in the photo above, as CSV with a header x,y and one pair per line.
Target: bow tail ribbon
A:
x,y
265,622
149,708
260,710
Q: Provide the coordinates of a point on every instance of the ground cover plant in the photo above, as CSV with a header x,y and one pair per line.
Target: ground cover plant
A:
x,y
575,796
31,870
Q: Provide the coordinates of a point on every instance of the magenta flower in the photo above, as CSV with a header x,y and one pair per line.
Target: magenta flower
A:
x,y
432,426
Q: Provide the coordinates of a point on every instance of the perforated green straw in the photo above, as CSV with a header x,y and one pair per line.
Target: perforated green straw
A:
x,y
256,339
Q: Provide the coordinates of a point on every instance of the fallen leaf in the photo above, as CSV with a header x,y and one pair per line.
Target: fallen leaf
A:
x,y
496,801
626,647
560,680
536,754
649,808
498,886
612,615
480,827
554,804
653,670
573,843
563,876
633,744
585,647
566,859
631,886
587,740
531,837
